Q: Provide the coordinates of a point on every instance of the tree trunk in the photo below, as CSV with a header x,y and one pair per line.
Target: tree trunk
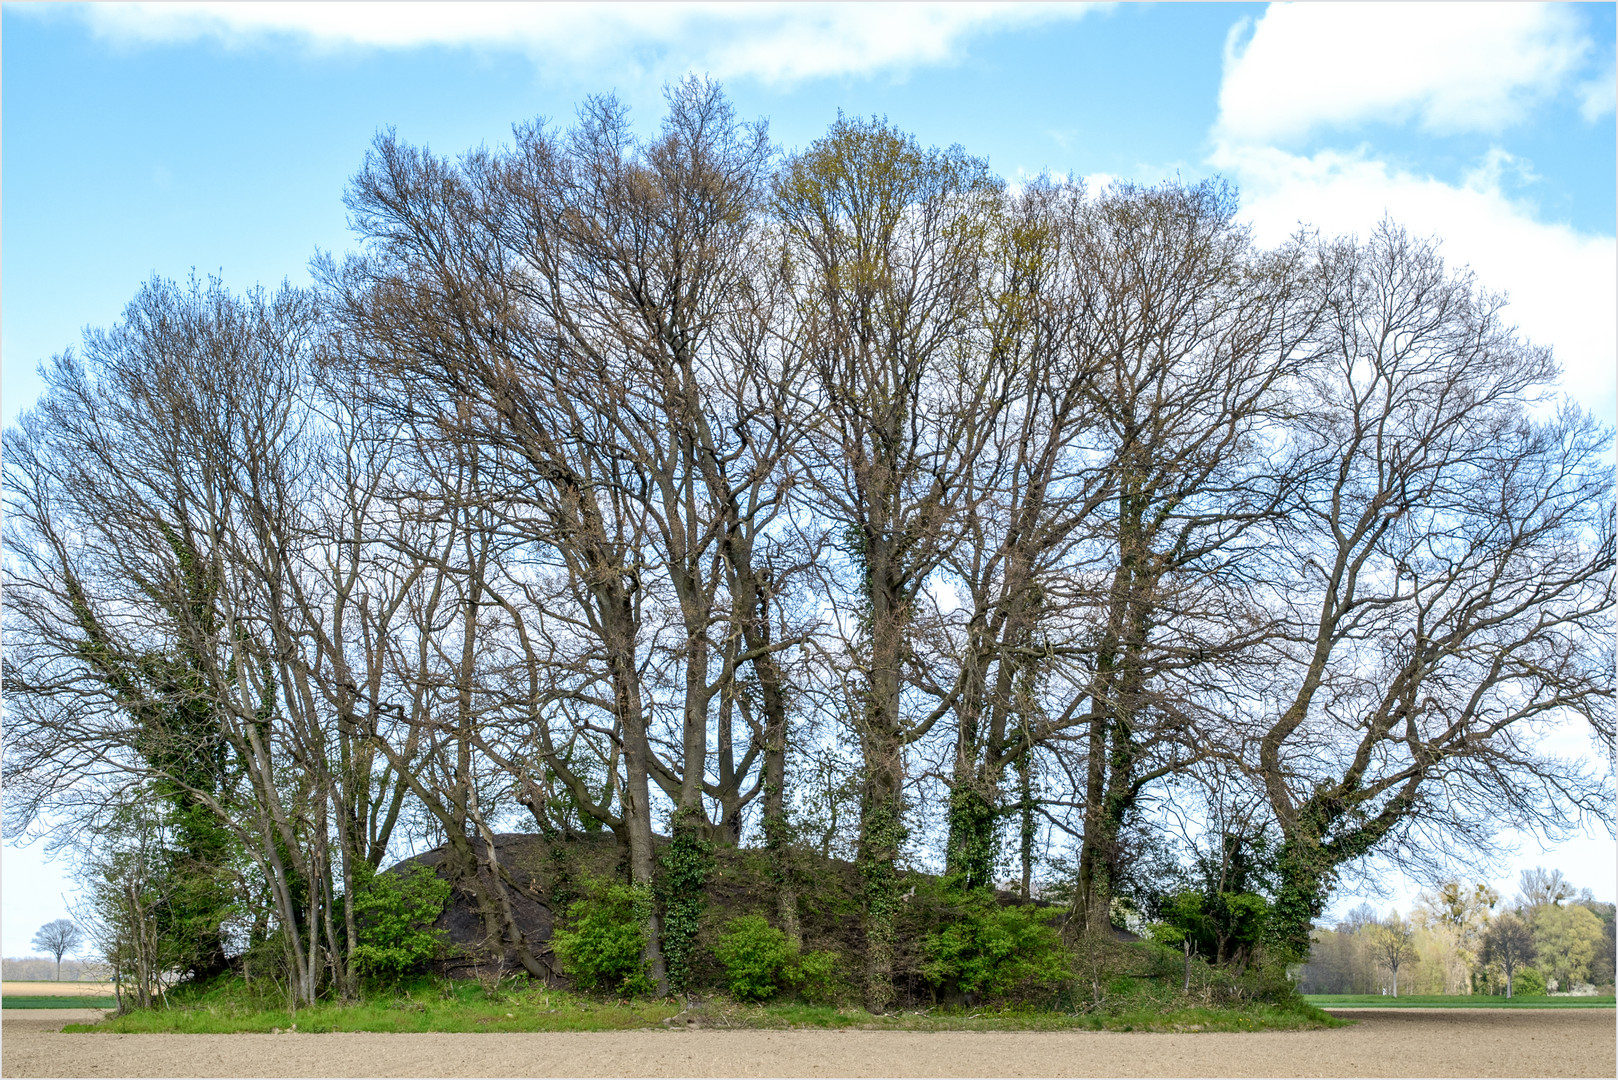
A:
x,y
752,601
881,810
636,796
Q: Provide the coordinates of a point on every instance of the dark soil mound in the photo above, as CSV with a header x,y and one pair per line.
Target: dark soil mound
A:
x,y
543,876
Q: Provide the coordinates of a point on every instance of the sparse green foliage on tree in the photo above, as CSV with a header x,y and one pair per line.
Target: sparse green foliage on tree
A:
x,y
1394,941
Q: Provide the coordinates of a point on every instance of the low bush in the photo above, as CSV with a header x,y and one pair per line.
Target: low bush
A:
x,y
757,958
759,962
994,951
394,914
820,978
1526,982
603,942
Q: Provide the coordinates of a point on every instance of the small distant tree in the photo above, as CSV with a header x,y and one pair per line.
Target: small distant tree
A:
x,y
1394,942
57,937
1541,888
1508,942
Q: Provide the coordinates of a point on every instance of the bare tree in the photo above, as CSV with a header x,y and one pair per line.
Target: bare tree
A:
x,y
1028,496
159,487
1394,940
888,242
1508,942
592,314
57,937
1540,886
1445,581
1195,334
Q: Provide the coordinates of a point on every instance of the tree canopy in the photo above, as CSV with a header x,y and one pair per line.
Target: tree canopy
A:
x,y
676,486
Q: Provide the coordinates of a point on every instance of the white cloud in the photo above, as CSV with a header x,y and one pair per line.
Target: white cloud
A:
x,y
770,42
1449,67
1563,284
1599,96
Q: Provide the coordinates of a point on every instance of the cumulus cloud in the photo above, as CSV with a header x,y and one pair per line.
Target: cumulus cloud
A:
x,y
777,43
1449,67
1306,69
1562,284
1599,96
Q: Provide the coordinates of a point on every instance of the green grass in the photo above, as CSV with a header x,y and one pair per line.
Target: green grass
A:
x,y
468,1007
1456,1001
57,1001
720,1013
416,1011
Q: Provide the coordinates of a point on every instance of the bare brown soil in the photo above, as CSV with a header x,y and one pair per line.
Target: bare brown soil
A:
x,y
1403,1042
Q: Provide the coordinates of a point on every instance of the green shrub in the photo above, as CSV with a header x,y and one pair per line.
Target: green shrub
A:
x,y
1201,923
996,951
602,945
394,914
757,958
819,977
1526,982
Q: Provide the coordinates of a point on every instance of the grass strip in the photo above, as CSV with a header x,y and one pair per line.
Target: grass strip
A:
x,y
463,1010
1455,1001
56,1001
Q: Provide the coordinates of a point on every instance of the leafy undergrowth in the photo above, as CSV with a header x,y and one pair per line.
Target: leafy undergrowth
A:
x,y
1457,1001
470,1007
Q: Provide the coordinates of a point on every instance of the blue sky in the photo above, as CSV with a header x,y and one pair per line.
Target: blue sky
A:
x,y
142,139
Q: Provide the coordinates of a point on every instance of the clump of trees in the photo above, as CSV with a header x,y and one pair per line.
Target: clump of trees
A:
x,y
1463,940
846,499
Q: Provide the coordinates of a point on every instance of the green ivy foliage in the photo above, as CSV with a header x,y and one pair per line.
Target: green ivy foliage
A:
x,y
884,835
602,946
681,893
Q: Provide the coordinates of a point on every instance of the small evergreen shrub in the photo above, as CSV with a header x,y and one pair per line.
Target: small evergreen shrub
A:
x,y
757,958
394,914
602,945
994,951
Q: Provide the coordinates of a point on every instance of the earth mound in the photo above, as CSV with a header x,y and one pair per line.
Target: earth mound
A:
x,y
543,875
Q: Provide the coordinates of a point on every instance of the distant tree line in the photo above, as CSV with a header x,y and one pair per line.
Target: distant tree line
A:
x,y
41,968
1464,940
846,501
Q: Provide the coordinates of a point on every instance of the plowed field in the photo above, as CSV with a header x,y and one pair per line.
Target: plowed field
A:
x,y
1407,1042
